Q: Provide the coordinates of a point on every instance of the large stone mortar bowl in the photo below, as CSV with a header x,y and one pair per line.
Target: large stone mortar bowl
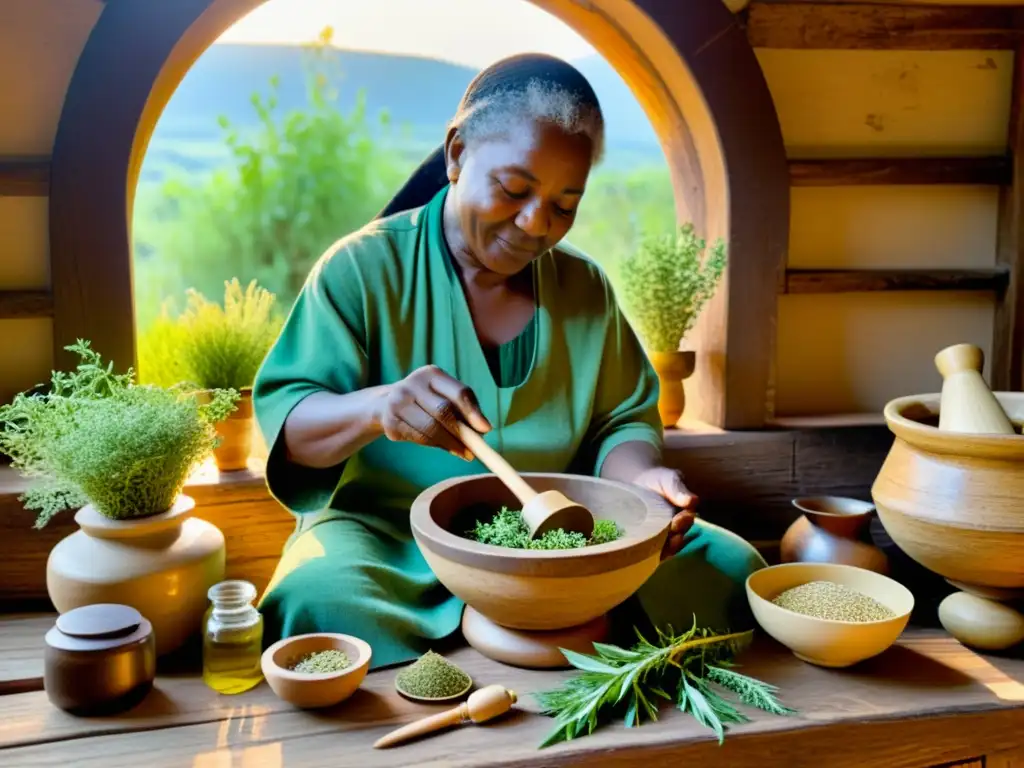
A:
x,y
955,503
523,605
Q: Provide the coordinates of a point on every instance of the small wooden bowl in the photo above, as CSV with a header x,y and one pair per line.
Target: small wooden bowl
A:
x,y
828,642
311,691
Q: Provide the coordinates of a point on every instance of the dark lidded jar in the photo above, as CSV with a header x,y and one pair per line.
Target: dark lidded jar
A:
x,y
100,659
232,638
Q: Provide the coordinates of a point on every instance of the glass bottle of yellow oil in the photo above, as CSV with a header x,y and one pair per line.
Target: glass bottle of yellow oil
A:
x,y
232,638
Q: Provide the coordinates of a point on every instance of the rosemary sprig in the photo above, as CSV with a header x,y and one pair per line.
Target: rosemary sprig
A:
x,y
630,683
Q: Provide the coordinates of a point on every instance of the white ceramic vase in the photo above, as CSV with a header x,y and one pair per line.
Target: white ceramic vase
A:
x,y
161,565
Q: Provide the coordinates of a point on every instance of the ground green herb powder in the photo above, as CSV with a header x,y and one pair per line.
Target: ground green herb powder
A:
x,y
828,600
318,662
432,677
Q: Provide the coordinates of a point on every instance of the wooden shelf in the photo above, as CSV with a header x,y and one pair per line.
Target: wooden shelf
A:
x,y
24,177
829,421
865,280
18,305
849,26
910,170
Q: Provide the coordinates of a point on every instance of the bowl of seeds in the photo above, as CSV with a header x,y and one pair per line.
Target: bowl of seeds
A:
x,y
828,614
316,670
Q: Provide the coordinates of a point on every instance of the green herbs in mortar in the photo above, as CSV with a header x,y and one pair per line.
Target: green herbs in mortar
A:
x,y
97,437
318,662
432,677
509,529
694,671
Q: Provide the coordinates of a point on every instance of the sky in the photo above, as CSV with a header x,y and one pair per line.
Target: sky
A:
x,y
473,32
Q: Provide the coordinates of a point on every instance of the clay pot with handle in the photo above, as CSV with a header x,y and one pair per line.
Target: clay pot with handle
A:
x,y
833,529
673,368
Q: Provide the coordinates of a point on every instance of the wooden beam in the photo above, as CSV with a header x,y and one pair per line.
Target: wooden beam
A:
x,y
830,421
18,305
24,177
861,280
900,170
882,27
1007,364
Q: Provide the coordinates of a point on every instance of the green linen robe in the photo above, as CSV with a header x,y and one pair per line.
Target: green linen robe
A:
x,y
574,385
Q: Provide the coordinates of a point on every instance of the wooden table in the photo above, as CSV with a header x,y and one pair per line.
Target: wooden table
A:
x,y
927,701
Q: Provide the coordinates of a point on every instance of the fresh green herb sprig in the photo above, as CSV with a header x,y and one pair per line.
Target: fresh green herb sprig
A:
x,y
509,529
631,682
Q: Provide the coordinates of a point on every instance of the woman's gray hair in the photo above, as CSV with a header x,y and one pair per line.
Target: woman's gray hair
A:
x,y
536,102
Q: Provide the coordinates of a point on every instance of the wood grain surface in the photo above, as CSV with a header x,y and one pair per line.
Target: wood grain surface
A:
x,y
925,702
870,26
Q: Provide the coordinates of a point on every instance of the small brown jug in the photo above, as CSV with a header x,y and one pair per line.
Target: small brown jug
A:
x,y
833,529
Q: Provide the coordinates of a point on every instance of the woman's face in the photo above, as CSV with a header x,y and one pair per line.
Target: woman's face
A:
x,y
516,196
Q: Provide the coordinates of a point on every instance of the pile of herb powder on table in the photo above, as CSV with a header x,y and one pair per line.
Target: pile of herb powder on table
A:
x,y
432,677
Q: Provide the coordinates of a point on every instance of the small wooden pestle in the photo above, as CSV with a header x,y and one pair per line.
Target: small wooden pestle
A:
x,y
482,705
542,511
967,404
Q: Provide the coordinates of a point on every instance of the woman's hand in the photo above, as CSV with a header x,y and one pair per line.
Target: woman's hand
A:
x,y
669,484
416,409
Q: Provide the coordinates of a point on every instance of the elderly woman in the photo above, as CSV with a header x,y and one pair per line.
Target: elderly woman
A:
x,y
461,300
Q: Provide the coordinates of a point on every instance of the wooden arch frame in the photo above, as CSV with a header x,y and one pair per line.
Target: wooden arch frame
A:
x,y
693,71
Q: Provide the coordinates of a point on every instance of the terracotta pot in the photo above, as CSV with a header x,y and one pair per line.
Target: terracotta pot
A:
x,y
672,368
161,565
235,433
833,529
951,501
525,605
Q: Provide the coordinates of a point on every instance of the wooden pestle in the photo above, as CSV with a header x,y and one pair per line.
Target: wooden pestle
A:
x,y
967,404
482,705
542,511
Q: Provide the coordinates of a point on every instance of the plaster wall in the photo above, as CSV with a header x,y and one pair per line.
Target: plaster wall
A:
x,y
40,42
851,353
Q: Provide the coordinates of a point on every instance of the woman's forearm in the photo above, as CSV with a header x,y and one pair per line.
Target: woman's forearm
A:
x,y
326,428
627,461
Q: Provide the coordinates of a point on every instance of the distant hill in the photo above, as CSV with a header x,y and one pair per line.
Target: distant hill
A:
x,y
420,94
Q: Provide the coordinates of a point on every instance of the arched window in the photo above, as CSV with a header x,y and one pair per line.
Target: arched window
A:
x,y
691,68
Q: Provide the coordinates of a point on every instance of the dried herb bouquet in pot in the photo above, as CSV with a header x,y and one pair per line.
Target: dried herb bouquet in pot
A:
x,y
663,287
214,346
120,453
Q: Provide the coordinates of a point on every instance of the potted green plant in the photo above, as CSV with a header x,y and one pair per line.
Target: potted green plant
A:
x,y
664,285
120,453
214,346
